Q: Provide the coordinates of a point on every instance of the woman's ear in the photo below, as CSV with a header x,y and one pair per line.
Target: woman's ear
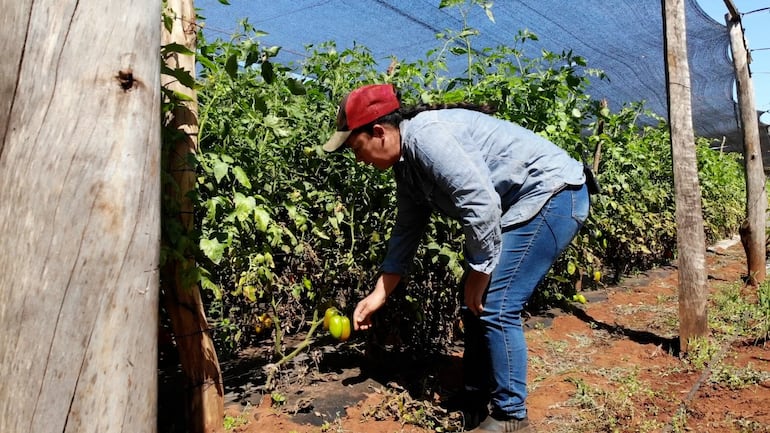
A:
x,y
378,130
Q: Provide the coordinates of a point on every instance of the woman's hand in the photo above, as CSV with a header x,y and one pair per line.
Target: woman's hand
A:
x,y
362,316
475,286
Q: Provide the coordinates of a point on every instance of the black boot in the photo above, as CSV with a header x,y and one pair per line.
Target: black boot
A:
x,y
492,425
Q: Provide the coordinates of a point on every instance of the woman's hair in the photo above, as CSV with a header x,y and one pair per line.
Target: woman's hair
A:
x,y
406,113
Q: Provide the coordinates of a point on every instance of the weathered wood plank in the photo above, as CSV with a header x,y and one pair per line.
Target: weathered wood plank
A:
x,y
691,238
753,228
79,217
182,299
13,22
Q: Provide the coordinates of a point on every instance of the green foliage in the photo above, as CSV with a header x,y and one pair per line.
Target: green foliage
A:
x,y
230,422
633,219
723,191
764,311
701,352
288,230
284,227
738,377
739,315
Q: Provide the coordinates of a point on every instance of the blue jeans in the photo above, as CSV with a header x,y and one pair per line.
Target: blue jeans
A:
x,y
495,356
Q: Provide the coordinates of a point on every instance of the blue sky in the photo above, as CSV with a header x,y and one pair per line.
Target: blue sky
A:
x,y
757,31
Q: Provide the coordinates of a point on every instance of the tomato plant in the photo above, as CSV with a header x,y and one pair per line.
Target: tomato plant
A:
x,y
288,229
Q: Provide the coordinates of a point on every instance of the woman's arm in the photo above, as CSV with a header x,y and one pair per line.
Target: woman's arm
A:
x,y
475,286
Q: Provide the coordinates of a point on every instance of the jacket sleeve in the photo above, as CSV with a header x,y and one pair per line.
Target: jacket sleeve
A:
x,y
411,220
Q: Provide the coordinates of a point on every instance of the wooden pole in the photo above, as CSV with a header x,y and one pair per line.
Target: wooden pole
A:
x,y
79,215
691,239
753,228
180,294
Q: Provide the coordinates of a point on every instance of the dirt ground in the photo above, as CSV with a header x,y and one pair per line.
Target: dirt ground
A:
x,y
611,364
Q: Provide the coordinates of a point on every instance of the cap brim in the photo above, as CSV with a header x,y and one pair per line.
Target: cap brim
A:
x,y
337,140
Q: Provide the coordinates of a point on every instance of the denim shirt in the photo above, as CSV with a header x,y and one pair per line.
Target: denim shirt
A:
x,y
485,172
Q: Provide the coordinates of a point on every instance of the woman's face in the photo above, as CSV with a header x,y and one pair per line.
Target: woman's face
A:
x,y
381,149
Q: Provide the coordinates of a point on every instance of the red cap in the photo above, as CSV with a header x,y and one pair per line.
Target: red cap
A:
x,y
361,107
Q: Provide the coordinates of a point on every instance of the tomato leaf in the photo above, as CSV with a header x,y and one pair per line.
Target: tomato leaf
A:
x,y
213,249
267,72
231,66
220,170
261,219
241,176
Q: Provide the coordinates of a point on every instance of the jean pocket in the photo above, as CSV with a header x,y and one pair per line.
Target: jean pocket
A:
x,y
580,204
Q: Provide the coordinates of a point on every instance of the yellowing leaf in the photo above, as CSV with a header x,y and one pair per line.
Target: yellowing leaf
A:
x,y
241,177
261,219
213,249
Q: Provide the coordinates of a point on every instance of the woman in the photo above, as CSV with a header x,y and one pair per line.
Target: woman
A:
x,y
519,198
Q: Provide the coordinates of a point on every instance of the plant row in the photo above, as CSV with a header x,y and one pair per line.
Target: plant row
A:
x,y
286,230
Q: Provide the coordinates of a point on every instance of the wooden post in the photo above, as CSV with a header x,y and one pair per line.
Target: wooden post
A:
x,y
181,296
599,131
753,228
691,239
79,215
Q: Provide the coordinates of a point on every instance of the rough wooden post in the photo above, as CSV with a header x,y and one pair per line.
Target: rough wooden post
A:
x,y
753,228
691,239
181,296
79,215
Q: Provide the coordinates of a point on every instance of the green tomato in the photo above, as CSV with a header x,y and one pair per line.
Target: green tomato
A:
x,y
339,327
330,312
